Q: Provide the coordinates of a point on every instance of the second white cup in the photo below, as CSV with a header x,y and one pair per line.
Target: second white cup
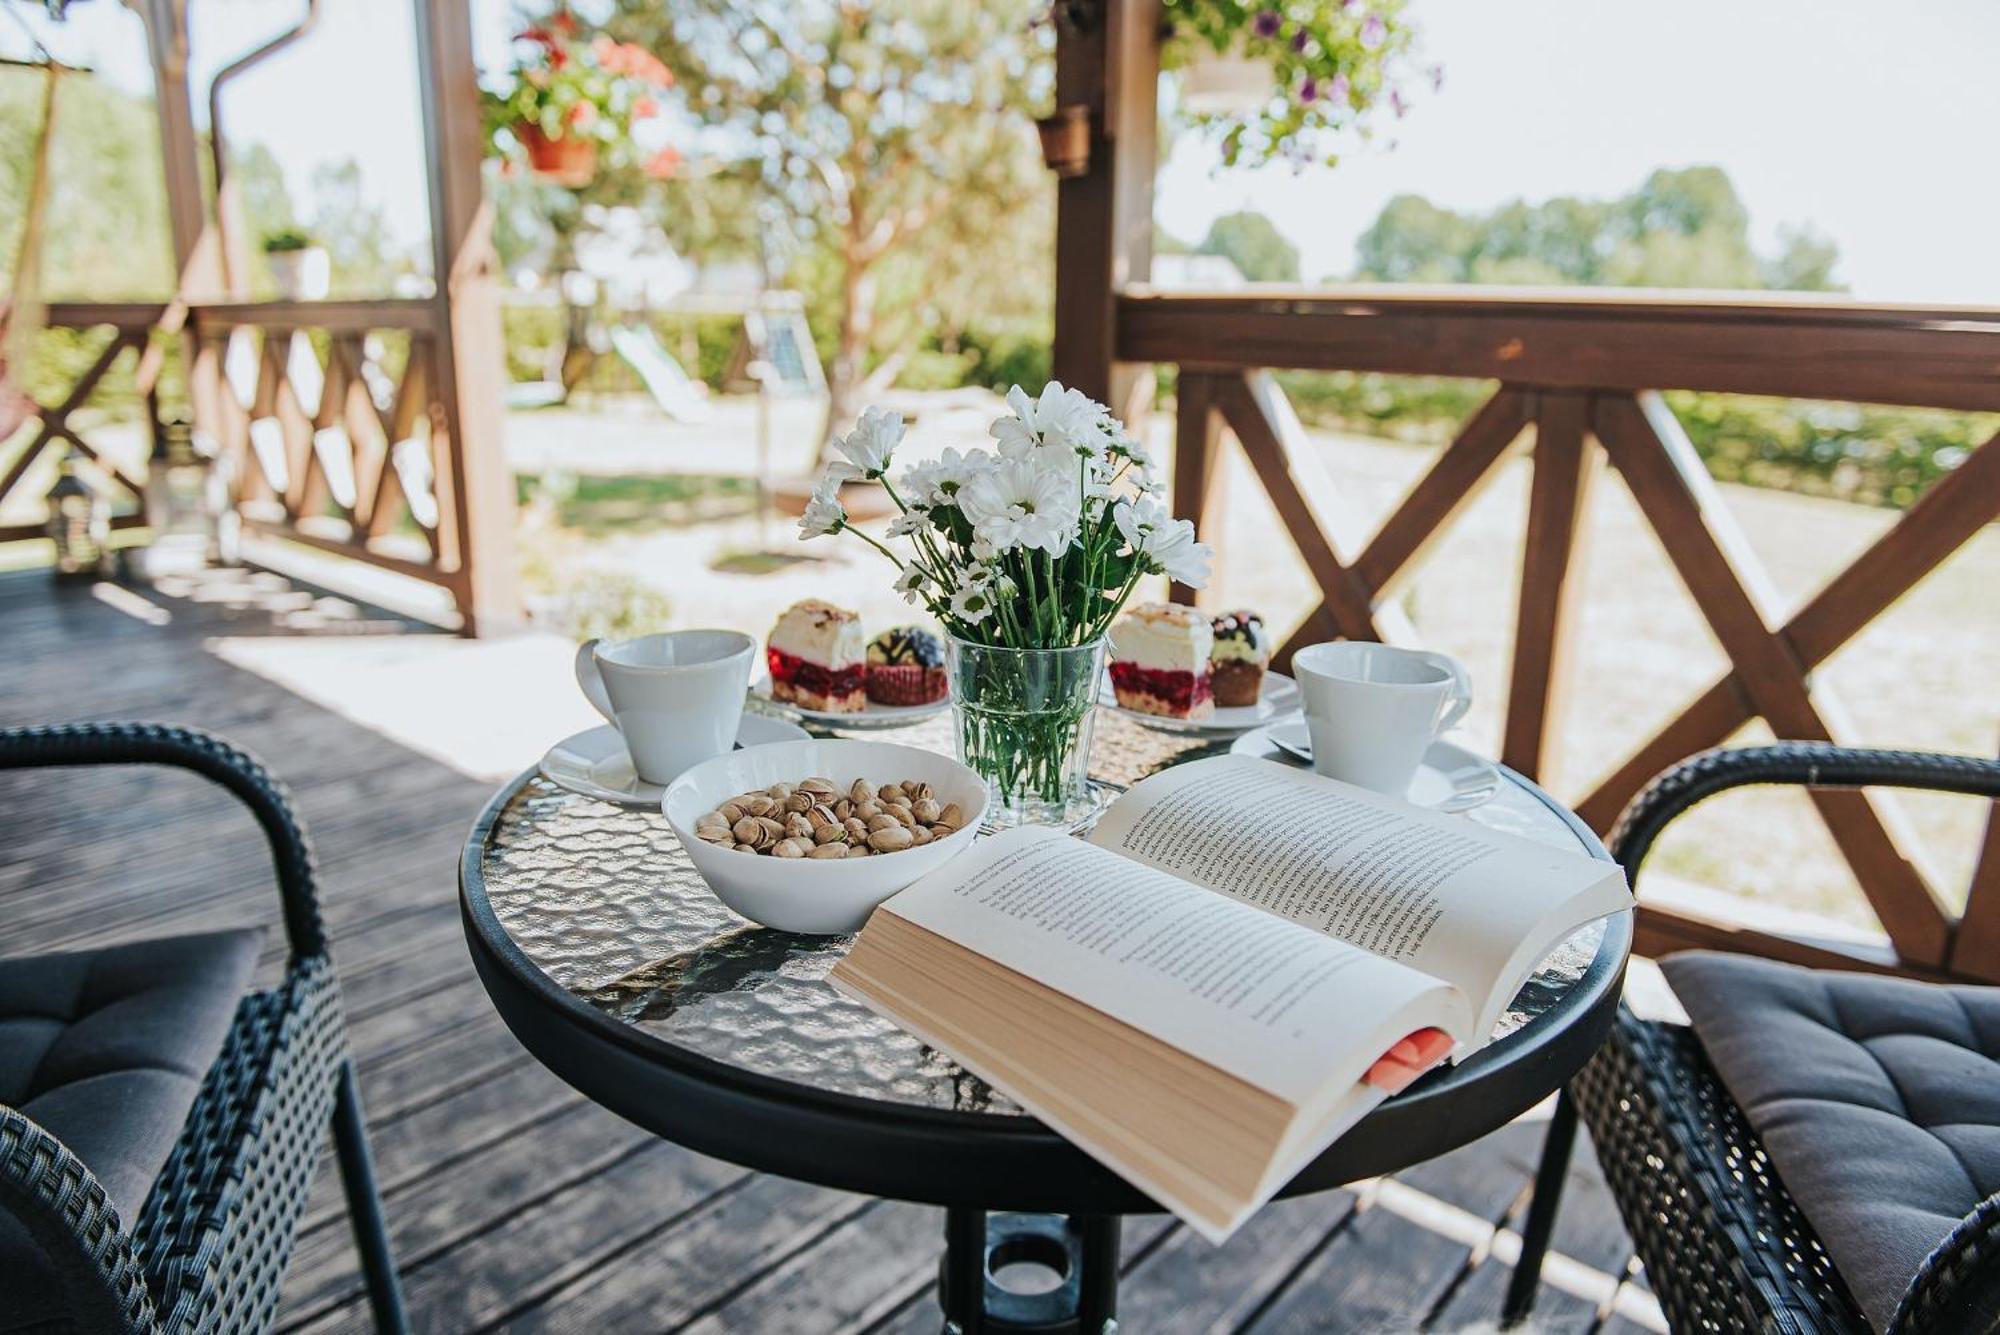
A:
x,y
1373,709
676,697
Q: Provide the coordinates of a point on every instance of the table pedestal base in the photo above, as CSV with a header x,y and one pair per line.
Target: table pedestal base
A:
x,y
1081,1250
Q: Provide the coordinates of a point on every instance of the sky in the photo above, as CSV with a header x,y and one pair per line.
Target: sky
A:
x,y
1877,123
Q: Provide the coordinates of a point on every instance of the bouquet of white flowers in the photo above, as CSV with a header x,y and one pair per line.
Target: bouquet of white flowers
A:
x,y
1037,545
1026,553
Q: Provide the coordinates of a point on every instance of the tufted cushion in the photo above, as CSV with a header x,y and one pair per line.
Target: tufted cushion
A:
x,y
1877,1098
105,1050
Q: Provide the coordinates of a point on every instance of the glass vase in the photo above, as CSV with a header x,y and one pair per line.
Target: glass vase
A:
x,y
1023,720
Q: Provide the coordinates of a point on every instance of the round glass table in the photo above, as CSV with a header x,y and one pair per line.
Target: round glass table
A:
x,y
606,955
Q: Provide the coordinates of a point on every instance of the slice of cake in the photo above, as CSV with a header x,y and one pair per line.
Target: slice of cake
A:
x,y
1160,661
1242,652
818,659
906,667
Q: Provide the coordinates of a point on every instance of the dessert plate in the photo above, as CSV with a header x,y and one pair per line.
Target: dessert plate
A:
x,y
1279,699
594,763
1450,778
869,718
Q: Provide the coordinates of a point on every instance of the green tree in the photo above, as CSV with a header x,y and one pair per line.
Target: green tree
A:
x,y
880,133
107,200
1254,245
1683,227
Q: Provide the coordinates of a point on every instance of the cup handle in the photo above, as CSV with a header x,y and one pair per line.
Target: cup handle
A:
x,y
1461,691
592,681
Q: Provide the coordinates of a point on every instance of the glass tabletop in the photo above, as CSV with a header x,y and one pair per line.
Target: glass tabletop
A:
x,y
607,905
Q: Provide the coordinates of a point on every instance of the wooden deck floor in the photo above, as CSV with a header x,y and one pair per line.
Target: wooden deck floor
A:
x,y
515,1204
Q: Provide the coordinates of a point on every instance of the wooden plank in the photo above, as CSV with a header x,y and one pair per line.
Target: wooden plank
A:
x,y
1444,489
1975,946
1672,490
715,1257
1189,1285
1939,358
537,1211
1380,1272
1250,406
358,316
861,1273
1197,458
1660,932
1551,582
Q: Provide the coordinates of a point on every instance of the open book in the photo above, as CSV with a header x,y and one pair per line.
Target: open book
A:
x,y
1240,962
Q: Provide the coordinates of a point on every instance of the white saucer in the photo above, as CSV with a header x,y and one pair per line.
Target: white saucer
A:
x,y
1450,778
594,763
871,717
1278,699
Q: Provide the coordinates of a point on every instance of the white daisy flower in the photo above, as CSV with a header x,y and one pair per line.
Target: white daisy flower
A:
x,y
911,585
1023,503
1164,543
973,603
1065,419
824,512
903,525
873,440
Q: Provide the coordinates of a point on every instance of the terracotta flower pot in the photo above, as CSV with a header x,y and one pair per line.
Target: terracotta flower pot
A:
x,y
565,161
1066,141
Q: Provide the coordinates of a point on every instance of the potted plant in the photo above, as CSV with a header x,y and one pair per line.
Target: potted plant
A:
x,y
569,99
1278,81
299,267
1026,555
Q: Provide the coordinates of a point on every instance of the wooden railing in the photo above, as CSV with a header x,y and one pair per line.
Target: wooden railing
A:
x,y
1579,369
326,414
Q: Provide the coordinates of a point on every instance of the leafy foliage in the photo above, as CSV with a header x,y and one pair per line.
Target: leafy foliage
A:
x,y
1254,245
1683,227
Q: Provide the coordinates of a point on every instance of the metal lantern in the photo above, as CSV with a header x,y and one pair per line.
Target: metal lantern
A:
x,y
79,524
176,501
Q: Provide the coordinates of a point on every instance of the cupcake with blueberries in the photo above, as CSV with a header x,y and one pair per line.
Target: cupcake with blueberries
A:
x,y
1241,653
906,667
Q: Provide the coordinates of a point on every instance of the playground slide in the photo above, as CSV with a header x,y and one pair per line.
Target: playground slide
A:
x,y
679,397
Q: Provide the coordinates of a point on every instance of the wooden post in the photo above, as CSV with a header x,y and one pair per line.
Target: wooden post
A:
x,y
1551,581
180,155
466,352
1108,62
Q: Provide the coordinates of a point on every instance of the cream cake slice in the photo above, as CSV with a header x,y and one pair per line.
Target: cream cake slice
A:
x,y
1160,661
818,657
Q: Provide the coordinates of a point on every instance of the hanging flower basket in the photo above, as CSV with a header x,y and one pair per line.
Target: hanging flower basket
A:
x,y
570,160
1213,84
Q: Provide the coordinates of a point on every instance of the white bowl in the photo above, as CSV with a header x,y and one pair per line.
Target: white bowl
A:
x,y
817,896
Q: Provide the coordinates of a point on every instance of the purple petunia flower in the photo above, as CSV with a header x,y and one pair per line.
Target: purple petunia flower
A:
x,y
1309,91
1337,90
1301,39
1373,32
1265,24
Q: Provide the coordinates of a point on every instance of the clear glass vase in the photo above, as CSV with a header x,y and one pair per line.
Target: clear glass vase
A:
x,y
1024,719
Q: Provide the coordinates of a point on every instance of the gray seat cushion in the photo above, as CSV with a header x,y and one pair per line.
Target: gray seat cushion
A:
x,y
106,1050
1877,1098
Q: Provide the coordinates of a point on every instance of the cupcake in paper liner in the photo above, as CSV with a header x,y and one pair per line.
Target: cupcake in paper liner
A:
x,y
906,667
1237,662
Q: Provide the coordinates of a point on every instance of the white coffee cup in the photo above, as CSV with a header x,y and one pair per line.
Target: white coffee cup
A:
x,y
1373,709
676,697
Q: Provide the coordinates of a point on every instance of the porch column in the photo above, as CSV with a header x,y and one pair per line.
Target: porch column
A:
x,y
1107,61
476,492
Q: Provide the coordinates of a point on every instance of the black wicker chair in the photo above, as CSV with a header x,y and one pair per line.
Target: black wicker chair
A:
x,y
209,1247
1725,1247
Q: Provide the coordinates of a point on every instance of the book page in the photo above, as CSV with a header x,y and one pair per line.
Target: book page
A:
x,y
1279,1007
1453,899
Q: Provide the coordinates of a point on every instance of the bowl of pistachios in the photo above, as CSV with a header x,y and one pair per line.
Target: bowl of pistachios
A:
x,y
810,836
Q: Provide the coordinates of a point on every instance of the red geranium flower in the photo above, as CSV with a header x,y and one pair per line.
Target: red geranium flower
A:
x,y
663,164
